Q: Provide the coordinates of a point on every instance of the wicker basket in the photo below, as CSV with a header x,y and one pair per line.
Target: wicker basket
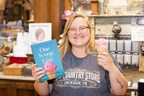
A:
x,y
14,69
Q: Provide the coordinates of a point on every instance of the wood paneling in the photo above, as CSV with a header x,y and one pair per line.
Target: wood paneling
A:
x,y
67,5
49,11
4,89
17,88
42,11
55,18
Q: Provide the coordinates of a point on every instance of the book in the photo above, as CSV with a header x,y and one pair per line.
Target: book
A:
x,y
46,55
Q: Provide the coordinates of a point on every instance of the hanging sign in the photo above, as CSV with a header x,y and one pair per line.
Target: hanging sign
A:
x,y
137,33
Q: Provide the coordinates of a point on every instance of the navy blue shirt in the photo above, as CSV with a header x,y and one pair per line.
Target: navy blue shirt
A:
x,y
83,77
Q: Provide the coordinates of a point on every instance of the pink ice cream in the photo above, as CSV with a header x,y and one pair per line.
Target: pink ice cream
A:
x,y
101,45
49,67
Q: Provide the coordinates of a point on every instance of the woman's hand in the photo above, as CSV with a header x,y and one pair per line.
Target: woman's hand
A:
x,y
37,73
105,60
41,88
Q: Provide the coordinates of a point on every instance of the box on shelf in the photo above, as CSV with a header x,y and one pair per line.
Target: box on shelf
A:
x,y
141,63
19,60
30,58
13,69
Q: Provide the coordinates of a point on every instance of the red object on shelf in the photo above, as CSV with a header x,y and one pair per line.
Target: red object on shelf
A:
x,y
18,60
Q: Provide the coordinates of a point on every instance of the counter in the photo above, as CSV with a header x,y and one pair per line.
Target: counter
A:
x,y
132,76
27,78
25,84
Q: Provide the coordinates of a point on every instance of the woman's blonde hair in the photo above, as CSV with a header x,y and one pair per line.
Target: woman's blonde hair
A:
x,y
65,45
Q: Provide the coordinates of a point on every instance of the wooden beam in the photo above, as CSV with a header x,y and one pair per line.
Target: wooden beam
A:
x,y
67,4
42,11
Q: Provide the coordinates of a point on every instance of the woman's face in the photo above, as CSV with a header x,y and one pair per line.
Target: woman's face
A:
x,y
79,33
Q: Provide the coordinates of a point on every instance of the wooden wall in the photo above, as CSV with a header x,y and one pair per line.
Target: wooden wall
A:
x,y
67,4
49,11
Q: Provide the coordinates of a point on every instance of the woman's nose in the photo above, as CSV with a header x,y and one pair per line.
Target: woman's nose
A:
x,y
78,31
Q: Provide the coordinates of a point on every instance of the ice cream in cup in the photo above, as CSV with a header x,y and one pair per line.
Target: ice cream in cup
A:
x,y
50,68
101,45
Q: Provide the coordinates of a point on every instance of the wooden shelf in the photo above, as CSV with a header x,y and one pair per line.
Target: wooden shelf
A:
x,y
110,16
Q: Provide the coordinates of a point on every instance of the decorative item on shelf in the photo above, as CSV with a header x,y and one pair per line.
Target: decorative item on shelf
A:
x,y
1,43
101,7
4,50
77,4
140,21
19,48
30,58
67,14
14,69
116,28
18,60
5,63
142,48
19,54
95,7
27,69
27,4
31,16
141,59
106,7
1,61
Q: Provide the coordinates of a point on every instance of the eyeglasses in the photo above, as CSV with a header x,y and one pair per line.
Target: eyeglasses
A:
x,y
81,29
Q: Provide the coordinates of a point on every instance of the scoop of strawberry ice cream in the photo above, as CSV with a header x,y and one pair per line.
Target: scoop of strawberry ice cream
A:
x,y
50,67
101,45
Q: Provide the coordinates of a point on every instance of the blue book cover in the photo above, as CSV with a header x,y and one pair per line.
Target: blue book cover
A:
x,y
46,55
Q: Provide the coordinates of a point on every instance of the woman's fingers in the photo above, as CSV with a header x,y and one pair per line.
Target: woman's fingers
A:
x,y
102,57
104,60
37,73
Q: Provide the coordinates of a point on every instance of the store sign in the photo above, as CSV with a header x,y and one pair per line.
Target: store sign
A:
x,y
137,33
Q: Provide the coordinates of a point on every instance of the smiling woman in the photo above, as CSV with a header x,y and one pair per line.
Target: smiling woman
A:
x,y
90,75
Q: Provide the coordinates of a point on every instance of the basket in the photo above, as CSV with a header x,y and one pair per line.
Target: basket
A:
x,y
14,69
